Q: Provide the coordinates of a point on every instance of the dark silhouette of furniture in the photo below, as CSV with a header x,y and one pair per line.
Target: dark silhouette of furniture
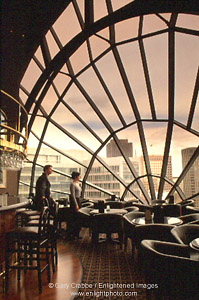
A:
x,y
84,218
114,204
171,210
164,220
129,228
132,208
170,268
31,245
187,210
186,203
107,223
52,231
184,234
159,232
191,219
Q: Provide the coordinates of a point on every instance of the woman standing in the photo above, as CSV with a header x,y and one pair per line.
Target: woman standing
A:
x,y
75,193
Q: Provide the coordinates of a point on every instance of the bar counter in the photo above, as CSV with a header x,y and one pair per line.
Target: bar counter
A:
x,y
8,222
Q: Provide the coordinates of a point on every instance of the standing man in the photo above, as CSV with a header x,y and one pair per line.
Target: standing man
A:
x,y
43,188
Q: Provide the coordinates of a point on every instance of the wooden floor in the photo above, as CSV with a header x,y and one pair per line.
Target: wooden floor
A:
x,y
62,287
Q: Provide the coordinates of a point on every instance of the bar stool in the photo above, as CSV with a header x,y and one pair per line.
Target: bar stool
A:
x,y
52,231
30,244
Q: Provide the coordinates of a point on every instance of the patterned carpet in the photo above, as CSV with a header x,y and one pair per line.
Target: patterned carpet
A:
x,y
108,272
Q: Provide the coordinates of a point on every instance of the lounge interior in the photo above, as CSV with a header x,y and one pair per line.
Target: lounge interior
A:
x,y
108,89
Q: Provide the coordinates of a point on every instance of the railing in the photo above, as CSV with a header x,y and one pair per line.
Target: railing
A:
x,y
13,144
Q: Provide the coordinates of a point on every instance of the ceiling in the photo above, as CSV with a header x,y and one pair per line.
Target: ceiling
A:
x,y
23,24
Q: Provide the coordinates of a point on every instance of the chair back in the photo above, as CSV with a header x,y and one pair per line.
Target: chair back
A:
x,y
169,266
184,234
129,227
133,215
187,210
43,222
160,232
190,218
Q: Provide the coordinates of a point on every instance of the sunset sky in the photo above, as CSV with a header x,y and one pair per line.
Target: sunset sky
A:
x,y
156,49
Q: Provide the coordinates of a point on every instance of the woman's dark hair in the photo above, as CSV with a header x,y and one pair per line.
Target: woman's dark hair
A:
x,y
75,174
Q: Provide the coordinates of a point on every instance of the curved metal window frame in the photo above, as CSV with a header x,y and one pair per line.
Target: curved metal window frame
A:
x,y
53,67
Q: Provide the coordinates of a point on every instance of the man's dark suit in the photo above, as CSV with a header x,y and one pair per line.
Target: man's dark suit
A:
x,y
42,190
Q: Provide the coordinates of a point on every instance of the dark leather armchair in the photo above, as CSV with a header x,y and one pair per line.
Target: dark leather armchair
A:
x,y
187,210
186,203
129,228
170,268
191,219
159,232
132,208
184,234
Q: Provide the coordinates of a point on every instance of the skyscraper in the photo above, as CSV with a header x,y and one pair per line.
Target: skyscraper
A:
x,y
113,151
191,180
156,168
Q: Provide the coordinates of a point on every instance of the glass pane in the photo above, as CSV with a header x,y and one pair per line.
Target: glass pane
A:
x,y
155,135
67,18
191,180
49,100
32,74
108,69
98,46
188,21
81,6
195,124
80,58
133,66
104,33
23,96
181,139
53,48
55,136
39,56
156,55
100,9
102,178
69,122
92,85
32,142
166,16
187,61
38,126
126,29
62,80
78,103
119,3
152,23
